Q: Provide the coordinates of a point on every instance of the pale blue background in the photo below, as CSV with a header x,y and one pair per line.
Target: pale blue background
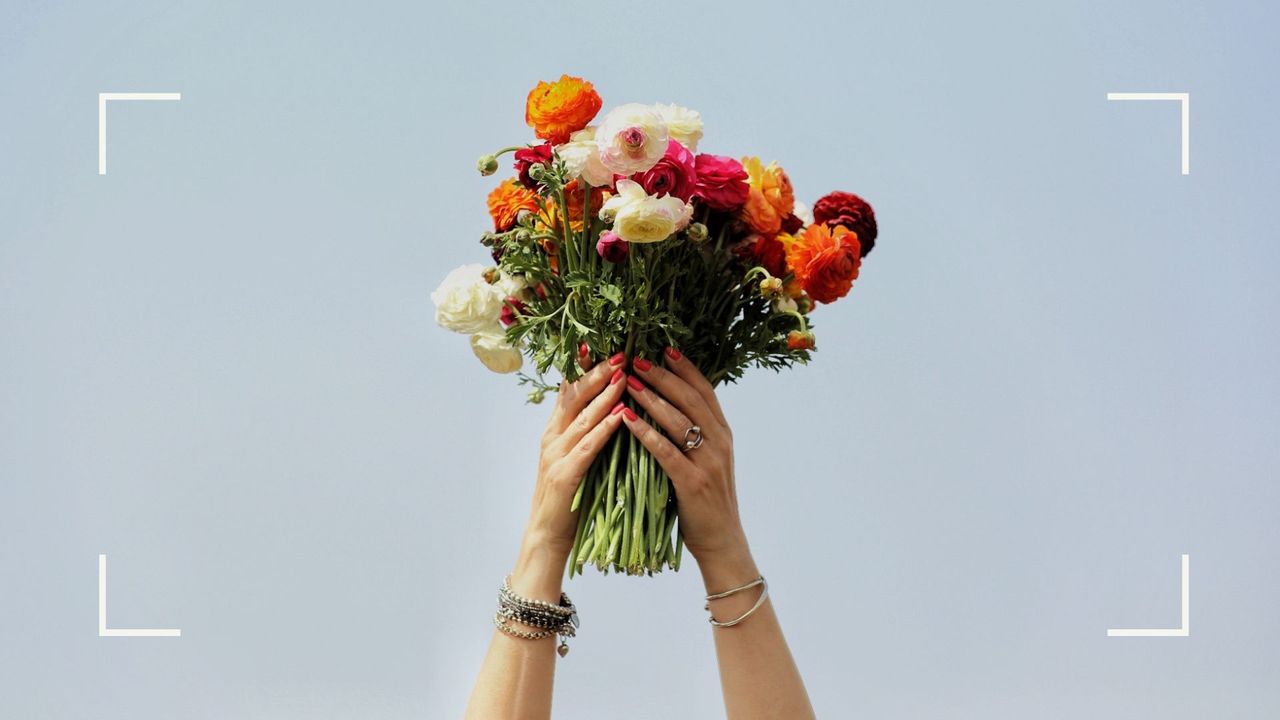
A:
x,y
1057,374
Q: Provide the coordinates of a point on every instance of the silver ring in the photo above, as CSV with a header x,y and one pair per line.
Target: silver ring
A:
x,y
694,442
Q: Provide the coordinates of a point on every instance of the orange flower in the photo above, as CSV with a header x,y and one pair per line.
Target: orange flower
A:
x,y
506,201
771,196
554,110
825,261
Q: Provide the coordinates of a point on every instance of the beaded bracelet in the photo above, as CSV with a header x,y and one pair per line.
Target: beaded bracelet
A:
x,y
550,619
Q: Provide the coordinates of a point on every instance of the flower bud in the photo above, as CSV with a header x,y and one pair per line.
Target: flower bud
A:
x,y
491,275
805,304
770,288
697,232
536,172
536,396
801,340
613,248
487,165
526,217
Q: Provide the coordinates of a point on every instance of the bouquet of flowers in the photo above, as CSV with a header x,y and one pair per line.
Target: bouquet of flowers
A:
x,y
620,236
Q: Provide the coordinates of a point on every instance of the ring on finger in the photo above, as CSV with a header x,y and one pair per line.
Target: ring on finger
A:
x,y
692,438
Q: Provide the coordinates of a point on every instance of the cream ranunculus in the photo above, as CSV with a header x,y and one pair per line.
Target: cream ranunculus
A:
x,y
581,157
632,138
641,218
466,302
683,125
492,348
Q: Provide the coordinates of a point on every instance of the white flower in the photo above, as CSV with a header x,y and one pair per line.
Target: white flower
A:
x,y
632,138
492,348
581,157
639,218
683,125
784,304
803,212
465,302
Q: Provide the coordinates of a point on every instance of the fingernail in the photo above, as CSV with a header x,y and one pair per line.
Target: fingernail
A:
x,y
629,414
641,364
618,408
618,359
617,375
583,350
634,383
673,353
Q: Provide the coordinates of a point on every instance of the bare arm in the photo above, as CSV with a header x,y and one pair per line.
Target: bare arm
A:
x,y
758,676
517,675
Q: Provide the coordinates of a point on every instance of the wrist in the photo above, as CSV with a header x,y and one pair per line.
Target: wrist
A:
x,y
539,569
727,567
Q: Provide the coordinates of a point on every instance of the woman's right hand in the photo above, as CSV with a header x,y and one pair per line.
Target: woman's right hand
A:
x,y
677,397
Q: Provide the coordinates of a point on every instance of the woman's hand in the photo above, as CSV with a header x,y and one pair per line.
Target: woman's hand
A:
x,y
677,397
578,429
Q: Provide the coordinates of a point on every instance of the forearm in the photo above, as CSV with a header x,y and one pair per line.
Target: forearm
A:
x,y
758,676
516,679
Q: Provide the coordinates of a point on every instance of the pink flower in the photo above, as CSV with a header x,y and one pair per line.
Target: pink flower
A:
x,y
674,174
721,182
612,248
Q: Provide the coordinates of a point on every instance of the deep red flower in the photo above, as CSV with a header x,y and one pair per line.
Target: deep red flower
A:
x,y
851,211
673,175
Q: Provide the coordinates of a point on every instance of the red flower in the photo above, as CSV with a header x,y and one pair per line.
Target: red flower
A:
x,y
851,211
722,182
769,253
527,158
675,174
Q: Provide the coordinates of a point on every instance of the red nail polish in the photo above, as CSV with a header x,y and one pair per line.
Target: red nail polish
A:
x,y
617,375
641,364
583,350
618,359
634,383
673,353
629,414
618,408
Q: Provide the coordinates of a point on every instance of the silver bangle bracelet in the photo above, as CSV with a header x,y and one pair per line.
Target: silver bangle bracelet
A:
x,y
764,595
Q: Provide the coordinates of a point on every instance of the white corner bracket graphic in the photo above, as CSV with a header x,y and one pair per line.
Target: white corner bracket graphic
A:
x,y
1183,631
102,117
104,631
1185,99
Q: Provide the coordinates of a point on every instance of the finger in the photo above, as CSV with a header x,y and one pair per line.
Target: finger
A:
x,y
677,363
595,411
574,463
575,395
667,415
584,355
676,463
674,388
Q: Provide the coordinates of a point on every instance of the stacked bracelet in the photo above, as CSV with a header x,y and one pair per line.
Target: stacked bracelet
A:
x,y
764,595
549,619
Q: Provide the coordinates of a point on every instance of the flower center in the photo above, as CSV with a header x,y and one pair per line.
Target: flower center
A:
x,y
633,138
